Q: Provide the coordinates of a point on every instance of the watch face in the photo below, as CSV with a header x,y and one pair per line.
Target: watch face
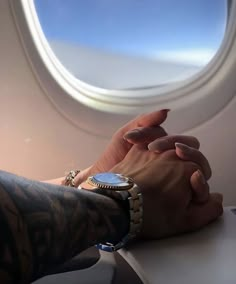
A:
x,y
111,180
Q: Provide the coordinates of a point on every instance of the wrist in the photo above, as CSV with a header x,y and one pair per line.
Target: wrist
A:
x,y
123,223
82,176
113,216
122,190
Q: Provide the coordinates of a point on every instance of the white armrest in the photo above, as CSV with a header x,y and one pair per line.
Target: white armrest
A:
x,y
207,256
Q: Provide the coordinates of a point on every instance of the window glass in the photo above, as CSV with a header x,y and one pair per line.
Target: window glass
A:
x,y
129,44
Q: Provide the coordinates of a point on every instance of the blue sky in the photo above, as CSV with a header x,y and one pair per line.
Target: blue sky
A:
x,y
154,28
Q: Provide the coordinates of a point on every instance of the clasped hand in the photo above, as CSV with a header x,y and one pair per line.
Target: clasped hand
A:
x,y
173,177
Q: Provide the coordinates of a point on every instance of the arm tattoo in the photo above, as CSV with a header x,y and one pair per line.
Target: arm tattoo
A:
x,y
43,225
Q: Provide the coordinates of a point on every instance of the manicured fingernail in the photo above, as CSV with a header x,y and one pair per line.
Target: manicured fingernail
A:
x,y
183,147
158,146
132,134
201,177
165,110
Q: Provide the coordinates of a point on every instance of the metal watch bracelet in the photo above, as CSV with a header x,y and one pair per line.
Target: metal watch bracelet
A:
x,y
136,219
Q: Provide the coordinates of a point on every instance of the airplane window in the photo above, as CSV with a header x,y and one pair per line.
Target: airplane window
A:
x,y
130,44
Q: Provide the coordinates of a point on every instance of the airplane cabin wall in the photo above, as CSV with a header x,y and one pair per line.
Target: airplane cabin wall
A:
x,y
39,142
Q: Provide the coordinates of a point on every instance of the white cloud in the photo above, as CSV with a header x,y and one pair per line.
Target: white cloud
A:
x,y
119,71
197,57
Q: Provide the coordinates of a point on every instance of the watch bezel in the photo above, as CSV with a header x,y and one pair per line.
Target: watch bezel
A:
x,y
124,183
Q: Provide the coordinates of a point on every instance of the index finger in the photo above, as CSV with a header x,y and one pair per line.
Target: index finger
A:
x,y
144,134
168,142
154,118
187,153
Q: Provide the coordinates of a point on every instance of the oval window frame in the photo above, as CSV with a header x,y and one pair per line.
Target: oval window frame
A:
x,y
81,103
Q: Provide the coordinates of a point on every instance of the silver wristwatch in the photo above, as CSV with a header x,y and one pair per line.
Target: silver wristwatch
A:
x,y
119,187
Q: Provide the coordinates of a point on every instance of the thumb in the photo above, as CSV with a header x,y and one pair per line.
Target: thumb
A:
x,y
142,129
144,134
200,187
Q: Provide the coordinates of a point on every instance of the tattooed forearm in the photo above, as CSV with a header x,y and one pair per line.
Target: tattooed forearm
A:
x,y
43,225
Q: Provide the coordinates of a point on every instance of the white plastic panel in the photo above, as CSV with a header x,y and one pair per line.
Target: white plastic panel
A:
x,y
207,256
